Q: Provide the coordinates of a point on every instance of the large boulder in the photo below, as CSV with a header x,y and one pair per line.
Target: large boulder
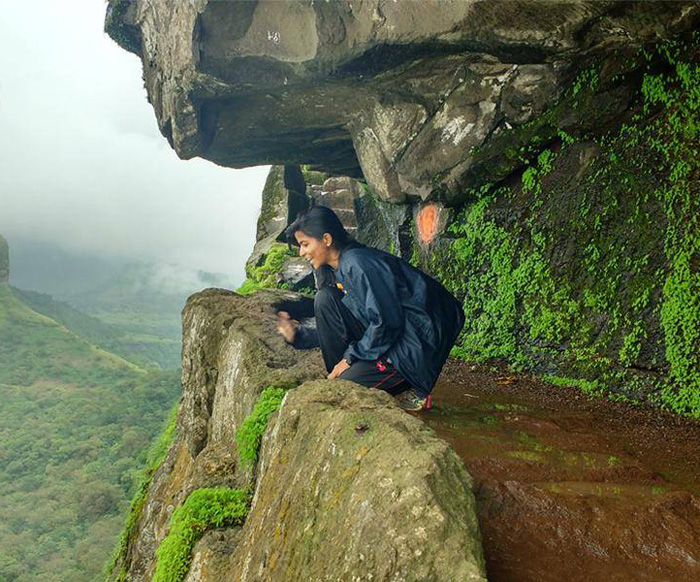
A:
x,y
368,492
415,96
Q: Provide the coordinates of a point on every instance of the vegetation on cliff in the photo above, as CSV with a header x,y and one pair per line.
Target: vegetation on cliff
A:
x,y
154,457
265,276
592,278
249,435
204,508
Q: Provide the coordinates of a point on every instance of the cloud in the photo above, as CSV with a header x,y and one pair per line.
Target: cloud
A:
x,y
82,164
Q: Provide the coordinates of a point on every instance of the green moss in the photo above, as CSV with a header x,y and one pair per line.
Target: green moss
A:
x,y
215,507
589,387
154,458
253,427
503,153
265,276
313,177
204,509
586,277
586,81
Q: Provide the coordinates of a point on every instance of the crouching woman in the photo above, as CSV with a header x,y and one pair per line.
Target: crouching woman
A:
x,y
379,321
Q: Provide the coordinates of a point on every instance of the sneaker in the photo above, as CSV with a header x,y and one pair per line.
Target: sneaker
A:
x,y
411,401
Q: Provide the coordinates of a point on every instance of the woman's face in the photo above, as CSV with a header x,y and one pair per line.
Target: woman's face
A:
x,y
315,250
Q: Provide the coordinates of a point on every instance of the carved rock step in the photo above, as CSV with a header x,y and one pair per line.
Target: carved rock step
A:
x,y
336,183
337,199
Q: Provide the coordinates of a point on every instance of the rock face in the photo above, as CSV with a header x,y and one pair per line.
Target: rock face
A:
x,y
530,155
4,261
416,97
368,220
283,198
348,485
231,352
368,490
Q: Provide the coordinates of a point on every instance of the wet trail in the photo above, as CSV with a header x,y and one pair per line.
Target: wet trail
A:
x,y
571,488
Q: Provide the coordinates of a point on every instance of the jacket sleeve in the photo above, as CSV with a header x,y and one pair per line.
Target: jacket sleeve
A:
x,y
374,285
306,337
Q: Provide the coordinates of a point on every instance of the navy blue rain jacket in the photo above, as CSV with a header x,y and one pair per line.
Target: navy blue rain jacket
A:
x,y
411,319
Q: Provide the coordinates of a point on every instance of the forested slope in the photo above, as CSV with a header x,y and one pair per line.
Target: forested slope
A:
x,y
74,427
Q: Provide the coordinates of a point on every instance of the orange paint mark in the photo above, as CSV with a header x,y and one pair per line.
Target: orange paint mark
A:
x,y
427,221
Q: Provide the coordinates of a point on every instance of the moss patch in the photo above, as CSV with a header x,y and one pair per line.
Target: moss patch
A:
x,y
249,435
313,177
588,269
265,276
204,509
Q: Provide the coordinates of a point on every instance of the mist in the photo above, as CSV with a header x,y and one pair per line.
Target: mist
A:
x,y
82,163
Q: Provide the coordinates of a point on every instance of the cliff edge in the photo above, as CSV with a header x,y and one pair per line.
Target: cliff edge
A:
x,y
345,485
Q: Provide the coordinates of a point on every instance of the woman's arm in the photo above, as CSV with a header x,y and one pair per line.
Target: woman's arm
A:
x,y
302,337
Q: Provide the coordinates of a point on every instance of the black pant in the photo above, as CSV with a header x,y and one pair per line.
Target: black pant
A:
x,y
336,328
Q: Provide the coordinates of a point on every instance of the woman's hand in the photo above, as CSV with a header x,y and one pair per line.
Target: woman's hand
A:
x,y
340,367
286,326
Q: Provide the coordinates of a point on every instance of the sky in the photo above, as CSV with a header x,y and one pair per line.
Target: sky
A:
x,y
82,163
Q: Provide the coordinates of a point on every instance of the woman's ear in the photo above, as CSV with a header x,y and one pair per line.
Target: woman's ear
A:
x,y
327,239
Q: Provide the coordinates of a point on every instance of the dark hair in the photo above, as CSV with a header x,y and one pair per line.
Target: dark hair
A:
x,y
317,221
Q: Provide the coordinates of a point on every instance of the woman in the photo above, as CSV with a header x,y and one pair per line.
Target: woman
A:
x,y
379,321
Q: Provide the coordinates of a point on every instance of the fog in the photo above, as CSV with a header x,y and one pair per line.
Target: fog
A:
x,y
82,163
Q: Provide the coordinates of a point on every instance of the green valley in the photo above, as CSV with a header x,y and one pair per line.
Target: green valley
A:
x,y
75,424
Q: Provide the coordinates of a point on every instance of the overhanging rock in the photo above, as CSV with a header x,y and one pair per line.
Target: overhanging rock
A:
x,y
412,95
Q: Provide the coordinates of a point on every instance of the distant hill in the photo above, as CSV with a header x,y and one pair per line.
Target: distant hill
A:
x,y
33,346
146,350
75,423
140,303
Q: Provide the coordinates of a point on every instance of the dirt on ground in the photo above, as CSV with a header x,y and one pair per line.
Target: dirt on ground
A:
x,y
570,487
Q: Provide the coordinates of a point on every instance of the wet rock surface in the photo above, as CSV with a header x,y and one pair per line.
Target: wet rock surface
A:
x,y
572,488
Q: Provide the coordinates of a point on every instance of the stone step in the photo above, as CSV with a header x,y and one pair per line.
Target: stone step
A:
x,y
339,183
336,199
